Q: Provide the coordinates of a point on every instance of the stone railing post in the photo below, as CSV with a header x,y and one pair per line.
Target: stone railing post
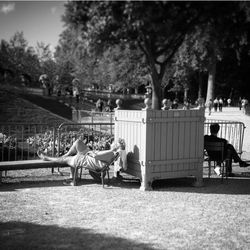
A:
x,y
147,103
118,103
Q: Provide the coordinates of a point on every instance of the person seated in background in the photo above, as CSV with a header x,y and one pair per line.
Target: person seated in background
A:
x,y
175,104
80,154
229,148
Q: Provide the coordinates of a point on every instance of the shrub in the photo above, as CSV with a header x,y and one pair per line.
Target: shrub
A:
x,y
48,144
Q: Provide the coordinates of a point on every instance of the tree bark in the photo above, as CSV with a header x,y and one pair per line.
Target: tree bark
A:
x,y
156,75
200,87
186,94
156,91
156,97
211,79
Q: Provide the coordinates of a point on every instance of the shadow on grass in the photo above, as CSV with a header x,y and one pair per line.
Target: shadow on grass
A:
x,y
210,186
13,183
238,185
7,186
22,235
126,182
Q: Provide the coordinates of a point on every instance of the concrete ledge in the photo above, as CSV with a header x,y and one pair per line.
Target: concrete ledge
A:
x,y
29,164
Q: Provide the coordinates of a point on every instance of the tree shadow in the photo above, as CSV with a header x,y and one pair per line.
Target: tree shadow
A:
x,y
210,186
24,236
7,187
238,185
127,182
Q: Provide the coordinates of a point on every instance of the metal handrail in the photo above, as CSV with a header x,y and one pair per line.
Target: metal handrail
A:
x,y
14,146
232,131
89,126
16,139
94,116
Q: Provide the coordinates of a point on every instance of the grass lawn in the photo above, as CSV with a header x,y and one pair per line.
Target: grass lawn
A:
x,y
39,212
50,104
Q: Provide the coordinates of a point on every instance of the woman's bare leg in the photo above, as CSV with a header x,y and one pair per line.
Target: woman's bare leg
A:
x,y
69,157
69,160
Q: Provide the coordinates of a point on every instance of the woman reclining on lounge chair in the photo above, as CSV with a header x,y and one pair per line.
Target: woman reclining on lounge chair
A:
x,y
80,155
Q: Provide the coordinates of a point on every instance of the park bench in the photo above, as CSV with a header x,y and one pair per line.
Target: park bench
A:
x,y
28,164
37,164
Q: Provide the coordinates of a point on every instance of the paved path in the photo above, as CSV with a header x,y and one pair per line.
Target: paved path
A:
x,y
234,114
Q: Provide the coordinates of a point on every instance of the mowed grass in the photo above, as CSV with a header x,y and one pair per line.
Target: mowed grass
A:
x,y
39,212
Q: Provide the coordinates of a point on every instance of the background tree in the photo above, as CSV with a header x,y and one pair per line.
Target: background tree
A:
x,y
129,67
122,67
119,67
68,57
43,52
5,63
157,28
19,60
214,42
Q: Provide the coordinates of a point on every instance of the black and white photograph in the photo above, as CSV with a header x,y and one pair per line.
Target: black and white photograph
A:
x,y
124,125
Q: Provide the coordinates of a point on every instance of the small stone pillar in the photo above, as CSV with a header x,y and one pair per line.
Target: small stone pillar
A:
x,y
118,103
165,104
147,103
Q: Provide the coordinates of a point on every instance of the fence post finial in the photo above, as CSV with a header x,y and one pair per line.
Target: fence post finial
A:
x,y
118,103
147,103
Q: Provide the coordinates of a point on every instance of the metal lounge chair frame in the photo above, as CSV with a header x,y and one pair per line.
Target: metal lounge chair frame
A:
x,y
102,172
216,153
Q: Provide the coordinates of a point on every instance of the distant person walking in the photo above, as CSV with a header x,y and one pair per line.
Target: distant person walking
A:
x,y
76,94
216,103
44,79
244,104
200,102
187,104
99,105
229,102
210,106
175,104
56,86
75,89
239,103
220,104
108,107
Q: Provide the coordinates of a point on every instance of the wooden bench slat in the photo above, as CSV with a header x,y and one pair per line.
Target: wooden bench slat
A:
x,y
29,164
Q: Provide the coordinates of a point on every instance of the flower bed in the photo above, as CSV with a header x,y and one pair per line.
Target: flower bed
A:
x,y
22,146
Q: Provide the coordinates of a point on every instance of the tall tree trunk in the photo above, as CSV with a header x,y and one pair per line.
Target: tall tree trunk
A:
x,y
200,87
211,79
185,98
156,95
156,90
156,75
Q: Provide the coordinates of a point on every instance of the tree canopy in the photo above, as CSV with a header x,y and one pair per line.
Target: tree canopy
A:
x,y
121,43
18,61
157,28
